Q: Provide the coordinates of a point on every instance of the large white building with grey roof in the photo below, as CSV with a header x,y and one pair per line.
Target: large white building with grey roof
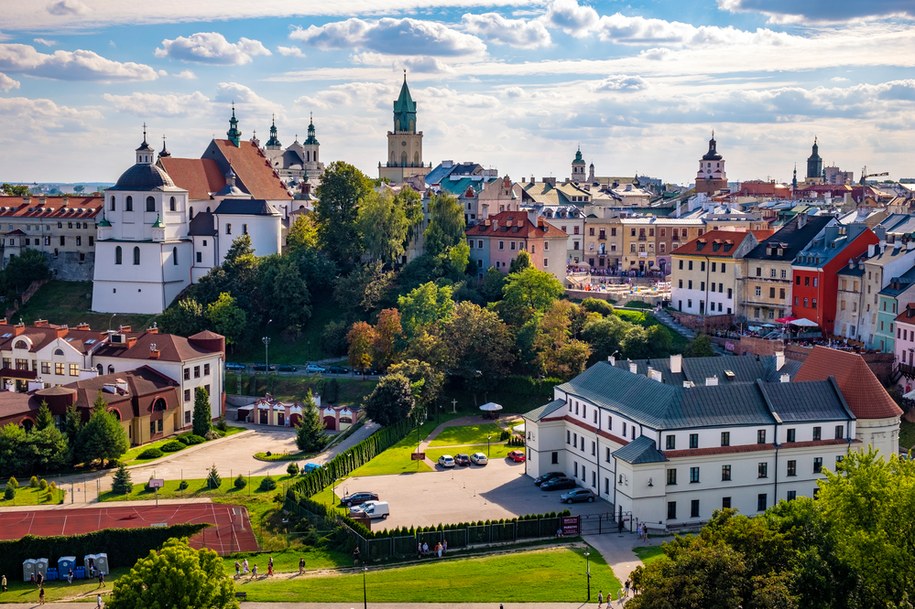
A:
x,y
669,441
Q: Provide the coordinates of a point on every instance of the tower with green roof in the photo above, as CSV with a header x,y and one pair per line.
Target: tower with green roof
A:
x,y
578,167
405,143
233,133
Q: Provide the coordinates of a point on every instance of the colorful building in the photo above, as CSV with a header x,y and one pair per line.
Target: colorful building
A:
x,y
499,239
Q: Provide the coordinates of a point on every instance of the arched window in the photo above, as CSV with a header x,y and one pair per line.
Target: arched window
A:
x,y
159,405
403,159
136,255
59,352
118,255
22,344
113,207
116,413
110,369
150,204
172,204
128,203
101,369
175,256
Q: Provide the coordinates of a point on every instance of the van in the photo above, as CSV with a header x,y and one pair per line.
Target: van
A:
x,y
371,509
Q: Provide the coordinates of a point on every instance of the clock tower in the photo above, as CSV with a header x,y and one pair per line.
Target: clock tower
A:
x,y
405,143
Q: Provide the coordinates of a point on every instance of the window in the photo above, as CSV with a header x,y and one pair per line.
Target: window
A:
x,y
112,207
680,265
175,256
244,229
172,205
196,372
200,257
758,291
554,458
568,437
63,240
725,438
817,465
725,473
791,435
817,433
761,436
694,440
671,510
74,369
593,449
670,442
187,374
45,367
762,470
694,508
792,468
761,502
206,370
228,229
690,265
187,417
792,495
59,368
624,429
693,475
150,204
187,395
725,503
136,255
840,432
671,476
118,255
128,204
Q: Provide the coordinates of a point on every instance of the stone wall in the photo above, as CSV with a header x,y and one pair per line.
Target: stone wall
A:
x,y
68,267
702,323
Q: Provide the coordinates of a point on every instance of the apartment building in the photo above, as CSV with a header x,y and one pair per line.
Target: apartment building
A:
x,y
704,272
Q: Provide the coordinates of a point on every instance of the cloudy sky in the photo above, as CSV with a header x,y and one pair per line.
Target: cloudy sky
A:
x,y
513,85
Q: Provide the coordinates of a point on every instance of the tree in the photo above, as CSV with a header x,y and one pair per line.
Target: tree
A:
x,y
14,190
363,288
412,204
701,346
446,224
309,434
382,221
284,296
596,305
45,450
184,317
12,456
425,381
121,484
604,335
391,400
527,292
428,347
558,354
424,305
175,576
227,318
361,338
73,422
43,418
388,330
203,419
521,261
342,191
31,265
102,438
480,345
492,284
214,480
302,234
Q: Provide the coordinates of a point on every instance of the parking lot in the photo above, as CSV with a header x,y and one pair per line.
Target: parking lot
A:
x,y
498,490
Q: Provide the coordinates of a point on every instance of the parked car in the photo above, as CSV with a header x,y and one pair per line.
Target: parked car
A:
x,y
577,495
479,459
310,467
558,484
446,461
547,476
461,459
337,370
358,498
517,456
264,368
288,368
371,509
235,366
315,369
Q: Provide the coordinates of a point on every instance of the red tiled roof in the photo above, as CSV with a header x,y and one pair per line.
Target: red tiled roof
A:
x,y
715,243
253,170
145,386
199,177
171,348
42,336
516,224
907,315
76,208
863,392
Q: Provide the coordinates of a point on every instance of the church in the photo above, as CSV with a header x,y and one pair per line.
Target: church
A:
x,y
405,143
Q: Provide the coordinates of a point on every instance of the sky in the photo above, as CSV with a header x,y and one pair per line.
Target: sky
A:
x,y
517,86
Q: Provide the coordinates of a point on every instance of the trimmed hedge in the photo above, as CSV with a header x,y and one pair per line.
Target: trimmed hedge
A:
x,y
173,446
124,546
150,453
191,439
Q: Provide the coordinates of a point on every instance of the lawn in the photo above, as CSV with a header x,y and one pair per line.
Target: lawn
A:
x,y
26,495
304,349
467,434
131,457
648,554
226,493
80,590
509,577
287,561
906,435
69,302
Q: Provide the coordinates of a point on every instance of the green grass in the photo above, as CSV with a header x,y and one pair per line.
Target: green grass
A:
x,y
80,590
26,495
296,456
287,561
198,488
906,435
69,302
396,460
304,349
467,434
509,577
497,450
648,554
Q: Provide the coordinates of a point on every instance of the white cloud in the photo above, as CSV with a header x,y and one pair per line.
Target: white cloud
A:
x,y
290,51
350,95
448,97
514,92
571,18
70,65
23,115
159,104
424,64
621,82
392,37
212,47
67,8
185,75
245,97
7,83
44,41
519,33
821,11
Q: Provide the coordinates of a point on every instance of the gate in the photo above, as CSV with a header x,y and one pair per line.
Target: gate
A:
x,y
597,524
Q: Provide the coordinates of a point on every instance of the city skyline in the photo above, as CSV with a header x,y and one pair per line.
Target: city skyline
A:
x,y
512,85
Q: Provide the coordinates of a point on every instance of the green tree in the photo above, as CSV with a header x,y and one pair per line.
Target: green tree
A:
x,y
425,381
176,575
183,318
13,457
14,190
361,339
391,400
520,262
527,292
310,436
121,484
596,305
102,438
30,265
43,418
284,296
302,234
203,419
73,422
701,346
558,354
46,449
604,335
424,305
412,204
492,284
363,288
446,224
214,480
382,221
480,346
227,318
341,193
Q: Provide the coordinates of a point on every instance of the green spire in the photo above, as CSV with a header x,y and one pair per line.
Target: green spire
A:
x,y
311,139
233,133
274,140
405,110
158,223
578,157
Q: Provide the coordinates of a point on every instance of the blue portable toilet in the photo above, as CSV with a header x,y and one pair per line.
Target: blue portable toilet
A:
x,y
64,565
79,572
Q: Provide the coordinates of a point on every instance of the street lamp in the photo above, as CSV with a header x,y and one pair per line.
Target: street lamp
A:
x,y
488,437
266,340
588,572
365,602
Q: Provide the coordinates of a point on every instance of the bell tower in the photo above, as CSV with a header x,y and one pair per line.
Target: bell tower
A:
x,y
711,176
405,143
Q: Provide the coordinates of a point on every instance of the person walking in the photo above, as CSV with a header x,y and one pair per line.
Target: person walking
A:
x,y
237,569
98,601
3,582
244,567
270,565
41,595
70,576
600,599
301,565
626,589
254,571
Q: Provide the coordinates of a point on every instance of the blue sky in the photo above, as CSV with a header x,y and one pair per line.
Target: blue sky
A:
x,y
512,85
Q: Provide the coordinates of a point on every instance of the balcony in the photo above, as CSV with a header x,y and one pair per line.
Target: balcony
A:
x,y
907,370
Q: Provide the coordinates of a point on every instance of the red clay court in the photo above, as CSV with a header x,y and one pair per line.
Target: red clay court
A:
x,y
231,530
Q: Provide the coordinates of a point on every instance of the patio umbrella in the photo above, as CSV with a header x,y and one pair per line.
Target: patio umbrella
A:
x,y
804,323
491,407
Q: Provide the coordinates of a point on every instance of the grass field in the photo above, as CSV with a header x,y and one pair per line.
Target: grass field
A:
x,y
79,590
69,302
26,495
227,493
648,554
467,434
496,450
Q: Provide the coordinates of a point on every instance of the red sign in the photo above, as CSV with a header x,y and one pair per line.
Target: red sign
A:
x,y
571,525
417,456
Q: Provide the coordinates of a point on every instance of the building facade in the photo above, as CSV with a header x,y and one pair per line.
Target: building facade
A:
x,y
704,272
497,241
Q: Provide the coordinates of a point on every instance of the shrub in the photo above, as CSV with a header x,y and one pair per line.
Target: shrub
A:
x,y
172,447
292,469
43,484
33,481
10,493
221,424
269,454
213,435
121,485
12,482
182,485
213,479
190,439
150,453
596,305
504,435
240,482
267,484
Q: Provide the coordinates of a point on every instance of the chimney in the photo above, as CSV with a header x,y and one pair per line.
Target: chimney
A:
x,y
784,378
82,326
711,381
633,368
871,250
655,375
131,341
123,329
153,330
153,352
41,323
61,331
676,363
122,386
779,360
18,329
612,360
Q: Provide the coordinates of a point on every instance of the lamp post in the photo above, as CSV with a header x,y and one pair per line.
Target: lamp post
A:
x,y
488,437
365,602
588,572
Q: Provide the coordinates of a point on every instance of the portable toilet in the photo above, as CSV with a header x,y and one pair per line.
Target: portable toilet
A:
x,y
79,572
101,562
41,566
65,564
52,575
28,569
89,564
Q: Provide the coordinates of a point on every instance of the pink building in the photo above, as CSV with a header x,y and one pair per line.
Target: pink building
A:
x,y
905,347
498,240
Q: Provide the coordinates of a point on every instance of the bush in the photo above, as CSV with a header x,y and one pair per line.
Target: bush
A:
x,y
182,486
267,484
43,484
596,305
190,439
10,493
12,482
33,481
213,435
504,435
292,469
173,446
121,485
213,479
150,453
240,482
221,424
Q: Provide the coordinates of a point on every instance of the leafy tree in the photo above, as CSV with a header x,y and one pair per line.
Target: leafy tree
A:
x,y
13,458
425,381
45,450
317,269
73,422
309,435
701,346
102,438
492,284
604,335
175,576
558,354
521,261
361,338
240,482
412,204
480,345
382,221
227,318
446,224
302,234
363,288
341,193
428,347
214,480
391,400
596,305
424,305
31,265
12,482
333,337
389,331
43,418
284,297
203,419
527,292
14,190
184,317
121,484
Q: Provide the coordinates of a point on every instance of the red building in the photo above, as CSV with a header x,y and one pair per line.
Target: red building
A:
x,y
815,271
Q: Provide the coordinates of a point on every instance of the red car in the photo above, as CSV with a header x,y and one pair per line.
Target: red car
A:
x,y
517,456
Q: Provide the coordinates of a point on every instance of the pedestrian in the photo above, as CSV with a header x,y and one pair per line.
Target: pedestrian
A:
x,y
98,601
237,569
41,595
626,588
301,565
444,546
419,549
356,555
425,548
101,579
70,576
438,549
40,579
254,571
3,582
600,599
270,566
244,567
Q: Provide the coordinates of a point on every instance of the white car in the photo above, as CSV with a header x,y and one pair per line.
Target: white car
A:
x,y
478,459
446,461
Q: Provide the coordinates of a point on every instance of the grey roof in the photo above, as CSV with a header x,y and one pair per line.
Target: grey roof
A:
x,y
202,225
791,238
719,406
144,177
640,450
746,368
807,401
245,207
898,285
541,412
831,243
898,224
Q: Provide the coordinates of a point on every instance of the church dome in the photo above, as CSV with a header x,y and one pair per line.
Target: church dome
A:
x,y
143,177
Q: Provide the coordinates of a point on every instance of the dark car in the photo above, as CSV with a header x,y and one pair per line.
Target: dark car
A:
x,y
358,498
462,460
288,368
558,484
234,366
548,476
337,370
578,495
263,368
